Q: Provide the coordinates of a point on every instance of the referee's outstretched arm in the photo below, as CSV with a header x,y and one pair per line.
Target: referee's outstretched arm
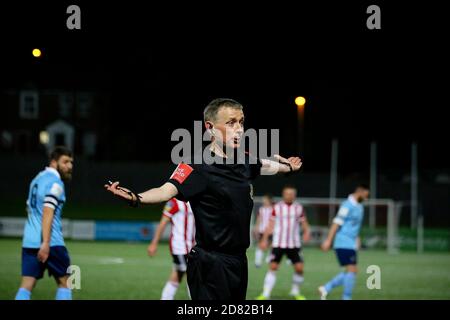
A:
x,y
156,195
283,165
168,191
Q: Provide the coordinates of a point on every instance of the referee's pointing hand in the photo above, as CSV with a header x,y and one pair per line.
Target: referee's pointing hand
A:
x,y
295,162
121,192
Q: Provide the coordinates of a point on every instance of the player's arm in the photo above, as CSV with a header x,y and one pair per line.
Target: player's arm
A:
x,y
326,245
156,195
306,230
283,165
151,250
47,221
264,244
338,221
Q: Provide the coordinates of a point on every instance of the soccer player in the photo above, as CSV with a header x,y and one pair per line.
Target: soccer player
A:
x,y
43,244
182,233
345,233
219,189
287,216
262,221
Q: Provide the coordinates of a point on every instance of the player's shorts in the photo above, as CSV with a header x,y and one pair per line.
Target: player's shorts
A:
x,y
179,262
217,276
346,256
293,254
57,263
260,236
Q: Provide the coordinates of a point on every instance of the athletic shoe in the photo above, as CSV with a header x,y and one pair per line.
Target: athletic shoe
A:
x,y
323,293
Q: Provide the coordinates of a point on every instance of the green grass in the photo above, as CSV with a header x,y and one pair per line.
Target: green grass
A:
x,y
403,276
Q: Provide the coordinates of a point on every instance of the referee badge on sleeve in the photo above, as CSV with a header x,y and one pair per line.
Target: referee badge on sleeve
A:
x,y
181,172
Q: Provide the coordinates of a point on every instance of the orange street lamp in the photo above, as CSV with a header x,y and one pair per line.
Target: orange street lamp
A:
x,y
300,102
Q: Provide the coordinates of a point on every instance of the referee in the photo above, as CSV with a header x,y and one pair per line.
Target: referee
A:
x,y
220,194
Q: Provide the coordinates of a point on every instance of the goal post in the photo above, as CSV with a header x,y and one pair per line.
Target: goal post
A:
x,y
318,213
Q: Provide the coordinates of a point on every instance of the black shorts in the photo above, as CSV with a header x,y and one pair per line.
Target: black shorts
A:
x,y
57,263
293,254
179,262
216,276
346,257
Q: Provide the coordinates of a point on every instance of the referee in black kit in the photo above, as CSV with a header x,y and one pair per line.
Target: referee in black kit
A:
x,y
220,193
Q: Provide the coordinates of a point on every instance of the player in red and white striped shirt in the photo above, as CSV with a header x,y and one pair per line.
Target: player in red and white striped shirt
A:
x,y
182,239
261,224
287,217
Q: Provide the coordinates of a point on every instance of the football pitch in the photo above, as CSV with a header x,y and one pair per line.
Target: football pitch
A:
x,y
118,270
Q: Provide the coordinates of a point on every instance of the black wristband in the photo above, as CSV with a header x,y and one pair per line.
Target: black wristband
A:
x,y
289,165
291,170
134,203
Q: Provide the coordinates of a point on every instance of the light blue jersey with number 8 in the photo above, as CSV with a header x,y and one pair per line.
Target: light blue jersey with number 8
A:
x,y
46,190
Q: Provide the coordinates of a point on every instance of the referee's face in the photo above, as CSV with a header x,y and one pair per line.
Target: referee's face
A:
x,y
229,127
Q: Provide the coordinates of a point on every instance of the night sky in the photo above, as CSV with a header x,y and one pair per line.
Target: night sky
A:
x,y
163,65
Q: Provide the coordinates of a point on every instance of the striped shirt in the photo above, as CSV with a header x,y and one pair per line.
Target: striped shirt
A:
x,y
264,214
182,234
286,233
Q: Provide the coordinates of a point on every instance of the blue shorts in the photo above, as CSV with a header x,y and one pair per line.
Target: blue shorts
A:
x,y
57,263
346,256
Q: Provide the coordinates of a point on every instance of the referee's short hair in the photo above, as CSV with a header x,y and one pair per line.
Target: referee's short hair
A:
x,y
211,110
60,151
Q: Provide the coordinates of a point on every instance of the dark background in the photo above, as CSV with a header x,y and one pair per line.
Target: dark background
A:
x,y
162,65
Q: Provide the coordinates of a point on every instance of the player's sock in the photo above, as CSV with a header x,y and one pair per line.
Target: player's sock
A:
x,y
23,294
259,255
269,282
349,283
297,280
335,282
169,290
63,294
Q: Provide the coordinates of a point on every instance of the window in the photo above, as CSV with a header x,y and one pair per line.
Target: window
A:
x,y
89,143
65,104
60,139
84,105
29,104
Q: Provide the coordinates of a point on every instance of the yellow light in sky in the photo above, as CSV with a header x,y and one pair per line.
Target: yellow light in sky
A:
x,y
300,101
36,53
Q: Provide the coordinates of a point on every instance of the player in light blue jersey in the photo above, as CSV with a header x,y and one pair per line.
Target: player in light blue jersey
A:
x,y
43,244
345,233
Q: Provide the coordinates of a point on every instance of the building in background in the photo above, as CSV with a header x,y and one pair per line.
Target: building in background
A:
x,y
36,119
